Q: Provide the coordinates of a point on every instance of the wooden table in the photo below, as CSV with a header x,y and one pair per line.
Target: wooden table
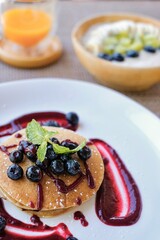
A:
x,y
68,66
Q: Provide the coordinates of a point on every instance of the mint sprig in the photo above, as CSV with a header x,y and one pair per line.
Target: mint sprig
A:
x,y
64,150
41,136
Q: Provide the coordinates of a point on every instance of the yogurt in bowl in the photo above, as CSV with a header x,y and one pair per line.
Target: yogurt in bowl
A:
x,y
125,43
121,51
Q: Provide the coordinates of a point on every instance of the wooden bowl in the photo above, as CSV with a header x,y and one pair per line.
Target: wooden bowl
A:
x,y
109,74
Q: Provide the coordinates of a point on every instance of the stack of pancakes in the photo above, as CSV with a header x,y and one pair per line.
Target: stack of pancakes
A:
x,y
23,193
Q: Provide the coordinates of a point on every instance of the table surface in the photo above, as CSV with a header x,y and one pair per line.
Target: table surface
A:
x,y
68,66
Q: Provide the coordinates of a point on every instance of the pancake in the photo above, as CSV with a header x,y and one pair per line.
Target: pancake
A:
x,y
24,192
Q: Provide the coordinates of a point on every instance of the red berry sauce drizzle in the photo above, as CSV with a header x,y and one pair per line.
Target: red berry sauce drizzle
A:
x,y
5,148
80,216
42,117
118,201
17,230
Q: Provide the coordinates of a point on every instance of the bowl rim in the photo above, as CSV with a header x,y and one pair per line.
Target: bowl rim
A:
x,y
110,14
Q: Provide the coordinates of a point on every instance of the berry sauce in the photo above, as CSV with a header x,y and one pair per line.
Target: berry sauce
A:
x,y
5,148
31,204
42,117
78,201
18,230
80,216
40,197
18,135
118,201
89,176
60,184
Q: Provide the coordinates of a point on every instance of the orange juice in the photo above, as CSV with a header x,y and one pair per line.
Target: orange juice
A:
x,y
26,27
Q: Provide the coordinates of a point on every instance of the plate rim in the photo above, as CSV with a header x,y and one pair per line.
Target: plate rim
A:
x,y
78,81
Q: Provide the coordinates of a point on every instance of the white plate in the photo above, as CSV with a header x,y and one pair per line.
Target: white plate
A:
x,y
128,127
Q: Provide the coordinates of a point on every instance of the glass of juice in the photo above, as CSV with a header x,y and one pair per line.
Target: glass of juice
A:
x,y
29,30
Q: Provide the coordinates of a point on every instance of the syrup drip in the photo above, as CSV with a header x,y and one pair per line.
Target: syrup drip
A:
x,y
89,176
5,148
60,184
40,196
80,216
78,201
42,117
118,201
18,230
31,204
36,220
18,135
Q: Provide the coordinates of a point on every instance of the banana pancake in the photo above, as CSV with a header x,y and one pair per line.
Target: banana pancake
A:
x,y
27,194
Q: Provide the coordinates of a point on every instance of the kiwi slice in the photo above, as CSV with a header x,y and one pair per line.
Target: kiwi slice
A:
x,y
109,49
136,45
110,41
120,49
126,42
122,34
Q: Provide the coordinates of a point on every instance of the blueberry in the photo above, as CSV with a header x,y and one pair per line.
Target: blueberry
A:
x,y
69,144
103,55
84,153
150,49
42,165
50,154
118,57
49,146
71,238
72,118
39,164
55,140
34,173
57,167
2,223
51,123
109,58
132,54
23,145
14,172
65,157
16,156
72,167
31,152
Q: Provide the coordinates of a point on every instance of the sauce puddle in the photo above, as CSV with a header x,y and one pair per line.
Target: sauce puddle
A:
x,y
42,117
18,230
118,201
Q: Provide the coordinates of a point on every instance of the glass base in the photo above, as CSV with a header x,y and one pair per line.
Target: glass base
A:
x,y
48,51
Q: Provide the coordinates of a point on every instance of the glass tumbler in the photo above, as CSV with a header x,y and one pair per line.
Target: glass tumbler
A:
x,y
28,27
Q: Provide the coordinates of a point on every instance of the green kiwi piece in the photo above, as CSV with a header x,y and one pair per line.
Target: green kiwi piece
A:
x,y
125,42
109,49
110,41
136,45
120,49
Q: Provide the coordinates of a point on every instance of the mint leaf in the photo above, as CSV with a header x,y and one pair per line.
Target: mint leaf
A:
x,y
64,150
35,133
41,136
41,152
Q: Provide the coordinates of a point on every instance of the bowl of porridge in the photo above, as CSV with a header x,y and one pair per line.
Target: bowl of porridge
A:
x,y
121,51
